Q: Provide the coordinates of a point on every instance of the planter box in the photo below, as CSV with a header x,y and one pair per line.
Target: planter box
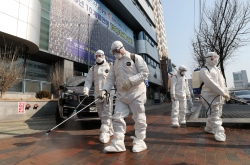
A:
x,y
9,109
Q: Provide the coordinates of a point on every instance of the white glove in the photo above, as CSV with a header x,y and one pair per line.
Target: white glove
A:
x,y
226,96
172,97
127,85
103,94
85,94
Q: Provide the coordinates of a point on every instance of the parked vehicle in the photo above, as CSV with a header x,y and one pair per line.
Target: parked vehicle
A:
x,y
242,96
71,94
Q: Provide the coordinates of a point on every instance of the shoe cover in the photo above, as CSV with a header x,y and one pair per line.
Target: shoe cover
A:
x,y
104,137
138,145
188,112
117,144
208,130
183,122
175,125
111,130
220,134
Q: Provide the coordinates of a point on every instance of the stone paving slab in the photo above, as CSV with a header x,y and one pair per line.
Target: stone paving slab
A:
x,y
78,144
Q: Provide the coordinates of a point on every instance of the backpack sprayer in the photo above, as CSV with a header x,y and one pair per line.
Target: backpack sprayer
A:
x,y
197,86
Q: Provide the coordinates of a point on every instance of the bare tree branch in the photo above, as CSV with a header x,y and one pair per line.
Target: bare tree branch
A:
x,y
12,67
58,75
224,28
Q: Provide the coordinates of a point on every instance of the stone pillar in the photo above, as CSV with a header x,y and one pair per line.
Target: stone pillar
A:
x,y
68,69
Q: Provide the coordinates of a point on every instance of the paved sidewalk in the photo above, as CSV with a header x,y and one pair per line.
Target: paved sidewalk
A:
x,y
166,145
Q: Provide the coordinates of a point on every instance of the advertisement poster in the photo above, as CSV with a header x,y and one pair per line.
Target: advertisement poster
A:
x,y
80,27
21,107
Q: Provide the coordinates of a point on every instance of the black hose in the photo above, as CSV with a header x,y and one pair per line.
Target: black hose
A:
x,y
107,98
209,105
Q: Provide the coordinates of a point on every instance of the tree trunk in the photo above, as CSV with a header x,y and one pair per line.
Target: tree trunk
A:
x,y
223,71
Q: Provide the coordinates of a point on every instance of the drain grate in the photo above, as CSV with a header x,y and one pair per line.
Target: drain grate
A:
x,y
230,111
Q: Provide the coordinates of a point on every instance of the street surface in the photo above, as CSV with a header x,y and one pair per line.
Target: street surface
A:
x,y
26,143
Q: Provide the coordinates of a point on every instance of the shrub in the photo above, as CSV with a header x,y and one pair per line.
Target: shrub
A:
x,y
43,94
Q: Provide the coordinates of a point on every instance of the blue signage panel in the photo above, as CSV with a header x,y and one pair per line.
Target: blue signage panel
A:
x,y
80,27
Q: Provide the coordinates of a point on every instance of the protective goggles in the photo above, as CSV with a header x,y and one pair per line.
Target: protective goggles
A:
x,y
214,56
98,55
118,50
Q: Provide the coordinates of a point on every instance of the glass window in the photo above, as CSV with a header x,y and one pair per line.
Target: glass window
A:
x,y
44,34
242,93
141,36
32,86
45,14
46,87
45,4
37,71
16,88
149,61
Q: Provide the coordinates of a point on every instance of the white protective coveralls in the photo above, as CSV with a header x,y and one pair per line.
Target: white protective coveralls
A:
x,y
131,96
179,93
214,85
98,74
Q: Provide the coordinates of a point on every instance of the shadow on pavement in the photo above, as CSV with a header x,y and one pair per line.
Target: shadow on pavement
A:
x,y
49,123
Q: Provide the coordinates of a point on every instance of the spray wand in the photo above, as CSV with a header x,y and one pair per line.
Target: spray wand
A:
x,y
47,133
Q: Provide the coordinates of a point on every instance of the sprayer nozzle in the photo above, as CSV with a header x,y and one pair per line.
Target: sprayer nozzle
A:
x,y
47,133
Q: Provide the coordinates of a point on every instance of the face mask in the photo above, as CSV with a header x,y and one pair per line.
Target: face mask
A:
x,y
118,56
183,73
215,61
99,60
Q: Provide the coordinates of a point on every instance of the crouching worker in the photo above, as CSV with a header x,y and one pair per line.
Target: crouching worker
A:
x,y
129,76
98,74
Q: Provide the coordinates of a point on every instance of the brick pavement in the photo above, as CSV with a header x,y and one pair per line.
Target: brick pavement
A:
x,y
166,145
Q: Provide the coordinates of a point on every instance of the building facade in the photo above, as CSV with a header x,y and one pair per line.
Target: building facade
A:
x,y
70,31
162,45
240,80
160,29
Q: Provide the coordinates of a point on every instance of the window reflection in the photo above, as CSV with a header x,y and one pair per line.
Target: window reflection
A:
x,y
35,78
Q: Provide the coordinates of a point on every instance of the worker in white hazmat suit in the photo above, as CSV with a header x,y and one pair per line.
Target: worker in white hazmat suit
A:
x,y
129,76
179,94
214,87
98,74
